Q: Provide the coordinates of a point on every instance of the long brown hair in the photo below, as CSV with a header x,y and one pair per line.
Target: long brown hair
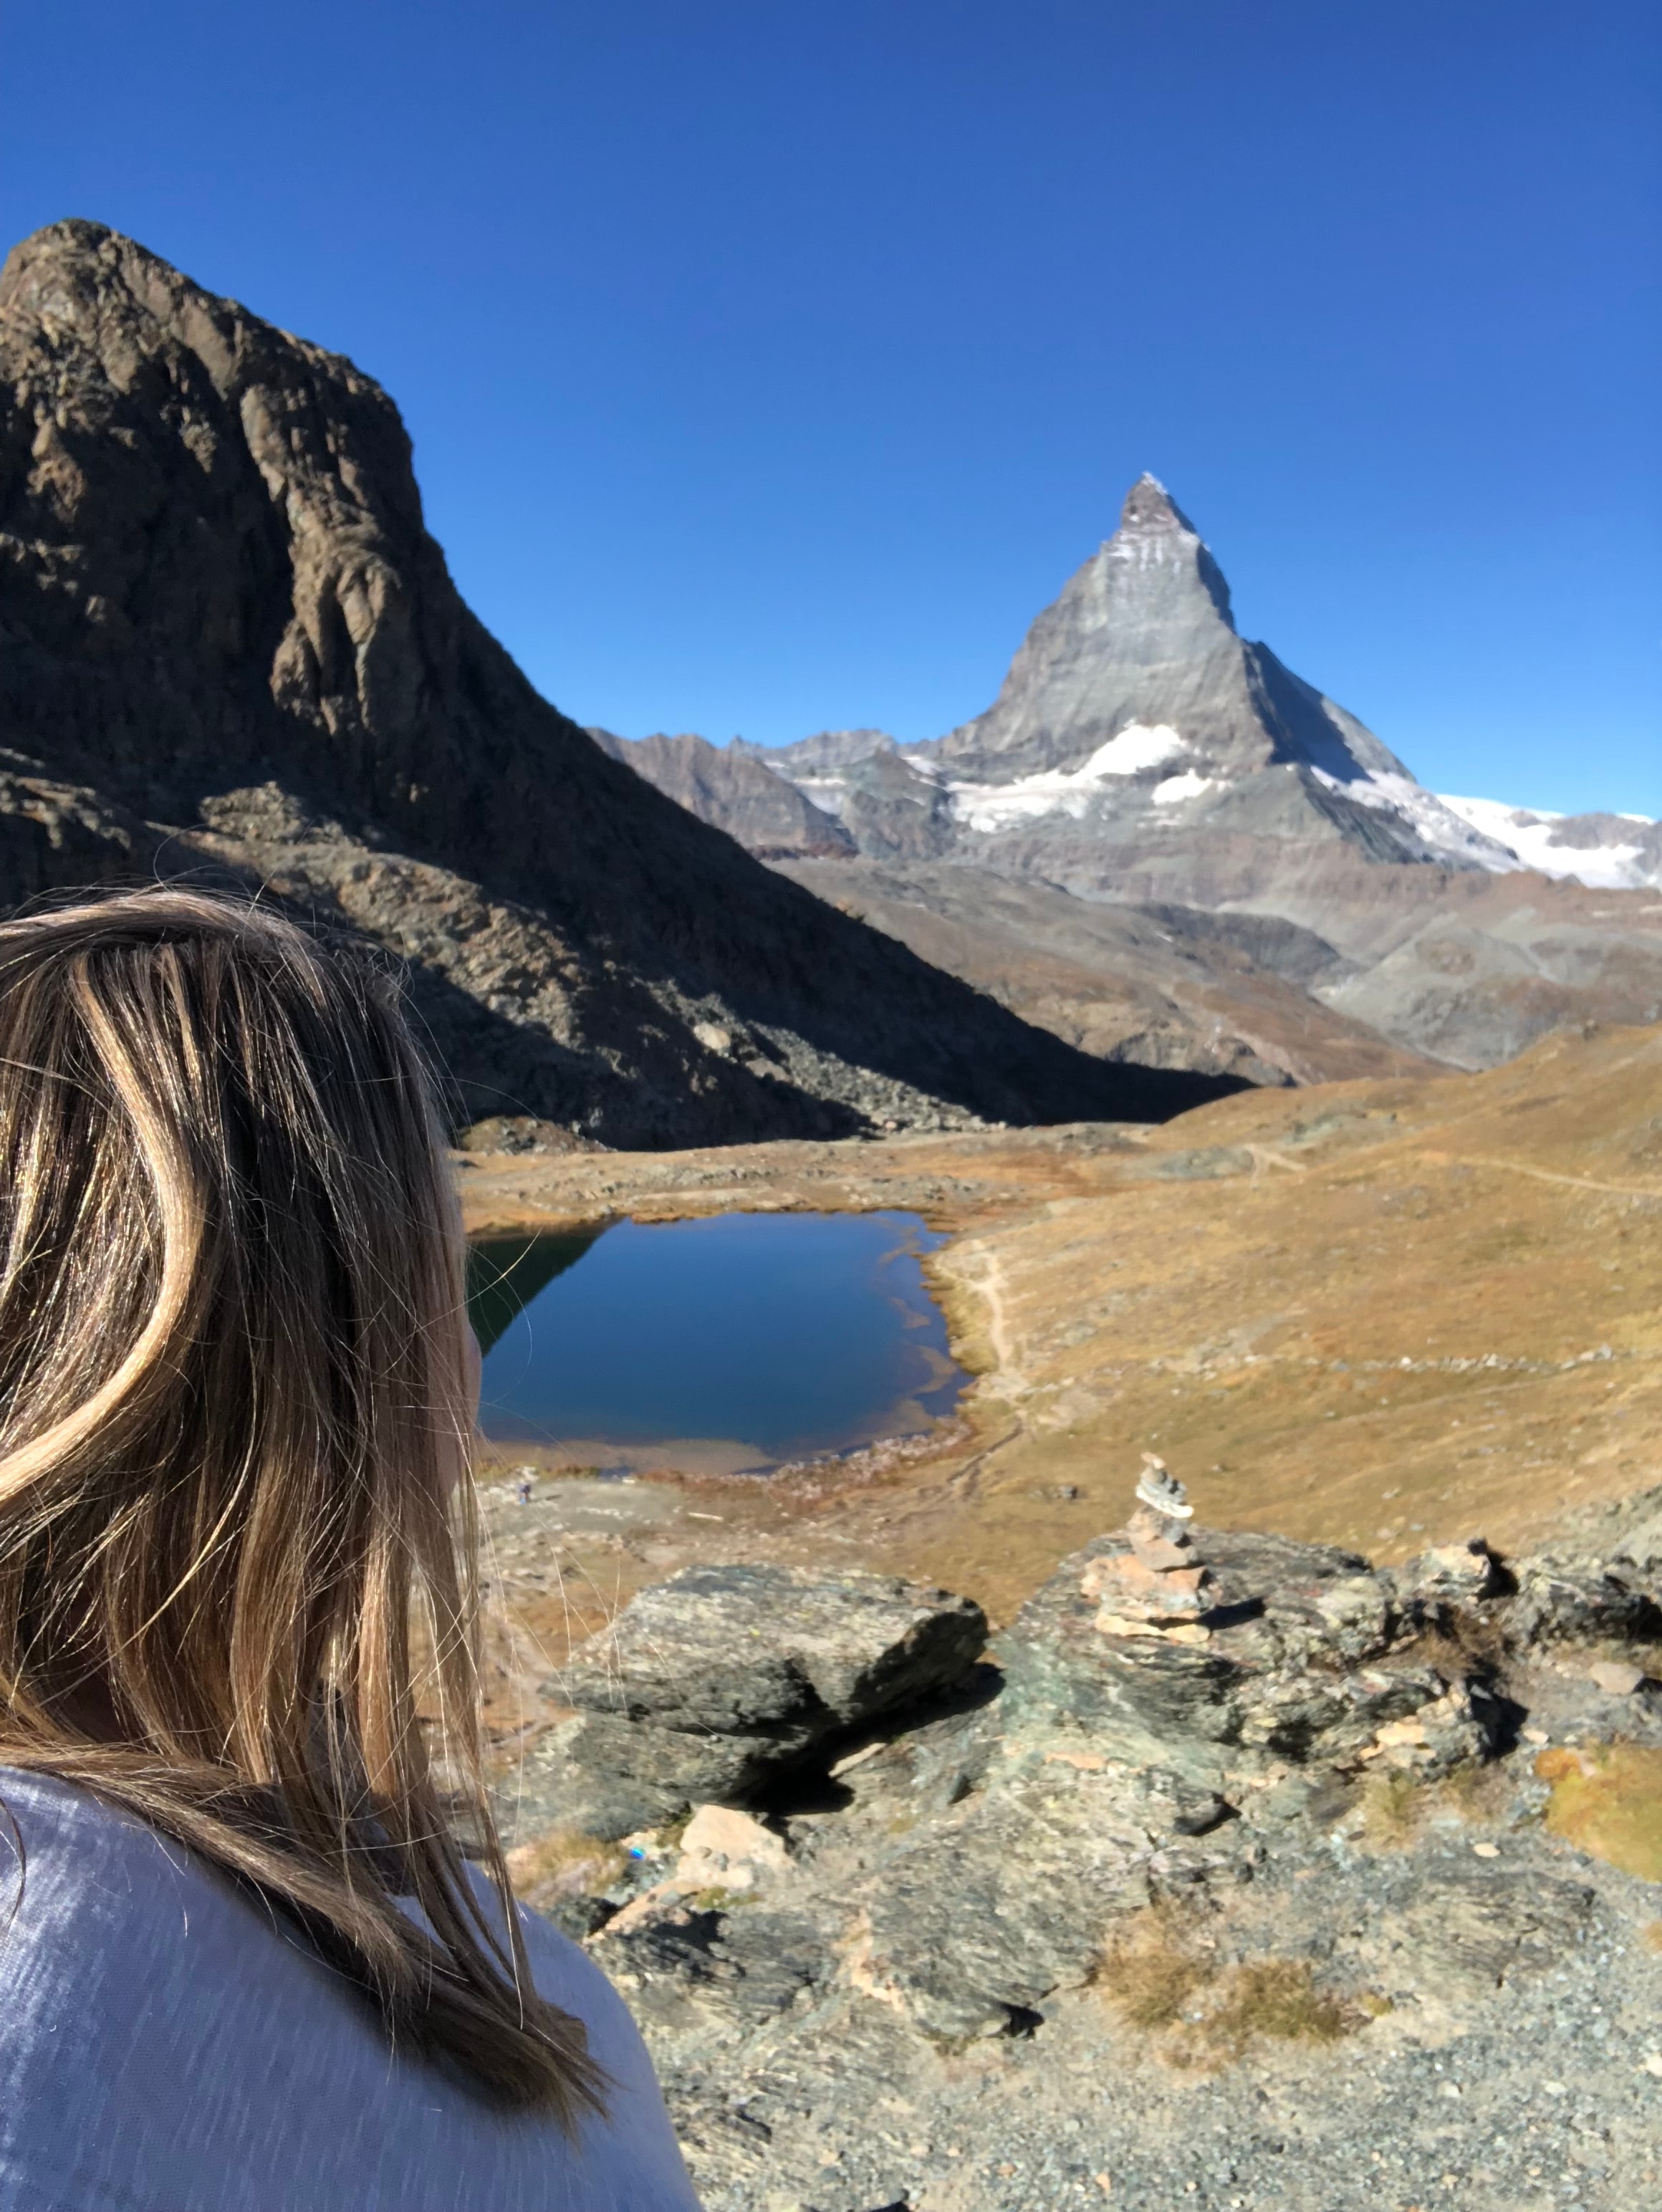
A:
x,y
236,1534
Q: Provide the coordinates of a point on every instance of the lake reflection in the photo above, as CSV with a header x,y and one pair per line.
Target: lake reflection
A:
x,y
784,1334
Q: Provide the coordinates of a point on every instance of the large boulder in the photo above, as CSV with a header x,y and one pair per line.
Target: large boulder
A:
x,y
710,1685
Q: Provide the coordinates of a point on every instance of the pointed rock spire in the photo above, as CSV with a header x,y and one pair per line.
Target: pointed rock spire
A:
x,y
1150,506
1138,631
1143,641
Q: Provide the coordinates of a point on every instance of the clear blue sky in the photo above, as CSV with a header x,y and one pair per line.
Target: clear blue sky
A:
x,y
770,362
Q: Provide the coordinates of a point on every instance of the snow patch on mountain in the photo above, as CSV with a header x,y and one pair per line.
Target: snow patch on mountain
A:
x,y
828,793
1136,748
1504,838
1171,790
1430,818
1534,837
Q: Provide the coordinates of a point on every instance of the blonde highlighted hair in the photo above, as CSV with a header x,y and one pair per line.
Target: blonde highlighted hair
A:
x,y
236,1537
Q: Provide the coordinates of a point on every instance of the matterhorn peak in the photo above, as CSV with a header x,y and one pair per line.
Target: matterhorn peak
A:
x,y
1141,636
1154,534
1143,641
1150,506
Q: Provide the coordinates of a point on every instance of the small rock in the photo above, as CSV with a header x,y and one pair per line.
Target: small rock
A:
x,y
723,1847
1401,1732
1168,1629
1616,1677
1452,1571
1157,1550
1161,1491
855,1758
1175,1588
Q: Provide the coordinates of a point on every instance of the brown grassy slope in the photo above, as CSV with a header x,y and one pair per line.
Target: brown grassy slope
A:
x,y
1237,1291
1253,1328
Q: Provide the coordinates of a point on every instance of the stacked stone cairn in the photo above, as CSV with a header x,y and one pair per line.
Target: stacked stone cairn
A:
x,y
1159,1587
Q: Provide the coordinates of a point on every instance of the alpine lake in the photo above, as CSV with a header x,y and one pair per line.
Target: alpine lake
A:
x,y
724,1345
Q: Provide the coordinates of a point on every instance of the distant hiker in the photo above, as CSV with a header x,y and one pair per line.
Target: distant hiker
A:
x,y
522,1489
255,1955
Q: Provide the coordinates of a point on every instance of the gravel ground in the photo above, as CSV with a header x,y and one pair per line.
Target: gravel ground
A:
x,y
1544,2090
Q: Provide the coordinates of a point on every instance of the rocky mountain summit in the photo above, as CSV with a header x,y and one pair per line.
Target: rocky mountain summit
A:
x,y
228,647
1141,652
1235,1871
1141,754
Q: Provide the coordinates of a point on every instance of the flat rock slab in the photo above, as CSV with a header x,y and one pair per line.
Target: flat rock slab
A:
x,y
706,1685
730,1649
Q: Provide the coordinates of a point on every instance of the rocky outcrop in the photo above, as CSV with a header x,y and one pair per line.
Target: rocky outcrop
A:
x,y
1304,1802
228,644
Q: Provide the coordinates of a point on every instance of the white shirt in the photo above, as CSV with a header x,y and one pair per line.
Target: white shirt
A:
x,y
166,2046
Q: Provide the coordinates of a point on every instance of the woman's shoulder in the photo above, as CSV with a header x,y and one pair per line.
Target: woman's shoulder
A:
x,y
92,1897
121,1996
111,1930
178,2043
81,1880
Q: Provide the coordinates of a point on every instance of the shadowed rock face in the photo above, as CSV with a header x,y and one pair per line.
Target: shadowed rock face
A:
x,y
227,642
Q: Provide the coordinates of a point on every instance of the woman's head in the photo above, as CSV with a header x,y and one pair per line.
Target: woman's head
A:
x,y
233,1407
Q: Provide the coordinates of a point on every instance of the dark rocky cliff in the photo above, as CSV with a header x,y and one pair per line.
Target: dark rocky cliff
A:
x,y
227,642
